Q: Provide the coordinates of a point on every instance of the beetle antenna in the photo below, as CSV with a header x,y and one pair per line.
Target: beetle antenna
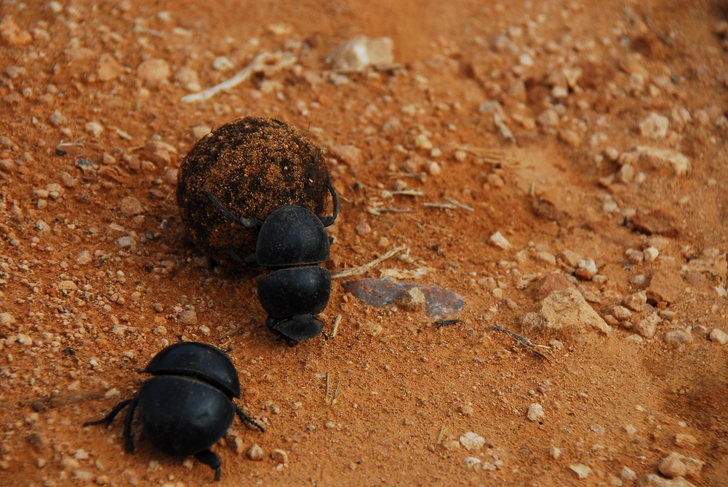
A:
x,y
249,223
329,220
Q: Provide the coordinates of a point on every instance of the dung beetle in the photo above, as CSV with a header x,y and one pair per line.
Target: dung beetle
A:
x,y
187,405
291,242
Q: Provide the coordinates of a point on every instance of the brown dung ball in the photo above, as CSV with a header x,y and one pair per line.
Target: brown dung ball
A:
x,y
252,166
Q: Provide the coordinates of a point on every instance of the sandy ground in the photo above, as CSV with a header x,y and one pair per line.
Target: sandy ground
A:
x,y
591,135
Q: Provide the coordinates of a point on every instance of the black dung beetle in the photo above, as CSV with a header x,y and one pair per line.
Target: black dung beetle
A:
x,y
291,243
187,406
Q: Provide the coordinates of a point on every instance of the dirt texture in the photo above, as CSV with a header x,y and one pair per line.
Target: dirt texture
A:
x,y
560,165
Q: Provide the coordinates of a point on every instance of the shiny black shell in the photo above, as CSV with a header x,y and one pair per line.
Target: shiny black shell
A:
x,y
292,236
182,415
295,291
199,360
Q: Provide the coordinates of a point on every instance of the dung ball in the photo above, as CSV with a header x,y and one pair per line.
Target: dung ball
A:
x,y
252,166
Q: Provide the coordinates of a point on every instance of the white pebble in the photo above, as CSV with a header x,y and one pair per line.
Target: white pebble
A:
x,y
472,441
500,241
535,412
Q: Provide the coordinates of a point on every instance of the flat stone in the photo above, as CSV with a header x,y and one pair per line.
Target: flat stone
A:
x,y
665,286
682,439
678,338
658,222
582,471
565,309
441,302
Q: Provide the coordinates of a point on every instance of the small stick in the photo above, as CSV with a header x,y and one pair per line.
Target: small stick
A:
x,y
78,143
457,203
525,341
440,323
443,430
356,271
406,192
336,392
661,35
393,175
282,60
379,211
328,383
446,206
337,320
122,134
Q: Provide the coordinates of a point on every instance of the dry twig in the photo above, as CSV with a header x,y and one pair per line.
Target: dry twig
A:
x,y
458,204
357,271
335,330
661,35
526,342
379,211
265,61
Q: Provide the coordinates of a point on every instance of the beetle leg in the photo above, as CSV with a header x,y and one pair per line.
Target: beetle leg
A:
x,y
128,440
110,417
247,419
251,259
329,220
210,459
249,223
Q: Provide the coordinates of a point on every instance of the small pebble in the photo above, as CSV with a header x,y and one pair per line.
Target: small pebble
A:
x,y
682,439
672,466
654,126
719,336
536,412
255,453
154,71
188,317
279,456
581,470
472,441
627,474
56,119
500,241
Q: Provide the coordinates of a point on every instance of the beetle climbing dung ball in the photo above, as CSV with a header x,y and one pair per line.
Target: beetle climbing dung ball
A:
x,y
252,166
